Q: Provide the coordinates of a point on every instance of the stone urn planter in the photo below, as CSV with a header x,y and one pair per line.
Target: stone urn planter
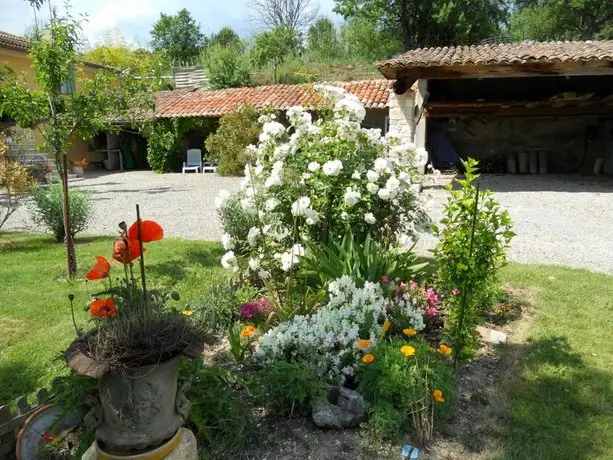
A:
x,y
78,170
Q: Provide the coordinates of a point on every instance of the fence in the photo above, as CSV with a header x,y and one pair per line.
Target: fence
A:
x,y
11,424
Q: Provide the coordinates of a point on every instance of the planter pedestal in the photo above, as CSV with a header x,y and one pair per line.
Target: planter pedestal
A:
x,y
182,446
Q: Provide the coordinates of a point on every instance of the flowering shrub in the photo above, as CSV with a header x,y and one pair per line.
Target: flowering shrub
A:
x,y
332,336
312,179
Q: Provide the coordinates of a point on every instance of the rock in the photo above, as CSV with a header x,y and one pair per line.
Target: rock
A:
x,y
343,408
492,335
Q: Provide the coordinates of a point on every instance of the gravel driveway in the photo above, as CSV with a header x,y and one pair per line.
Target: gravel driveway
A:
x,y
563,220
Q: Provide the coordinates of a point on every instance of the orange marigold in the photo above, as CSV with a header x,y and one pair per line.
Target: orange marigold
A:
x,y
368,358
248,331
445,349
364,343
438,396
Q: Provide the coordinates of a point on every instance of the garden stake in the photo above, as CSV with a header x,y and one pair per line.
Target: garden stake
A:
x,y
142,255
459,346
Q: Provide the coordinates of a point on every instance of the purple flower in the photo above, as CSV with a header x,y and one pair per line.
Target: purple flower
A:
x,y
251,309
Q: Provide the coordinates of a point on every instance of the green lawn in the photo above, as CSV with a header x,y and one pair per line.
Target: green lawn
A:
x,y
562,402
35,321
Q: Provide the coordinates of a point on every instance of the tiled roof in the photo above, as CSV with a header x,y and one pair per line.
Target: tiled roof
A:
x,y
501,54
205,103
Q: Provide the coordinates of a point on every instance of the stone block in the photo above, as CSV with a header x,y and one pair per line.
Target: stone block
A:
x,y
492,335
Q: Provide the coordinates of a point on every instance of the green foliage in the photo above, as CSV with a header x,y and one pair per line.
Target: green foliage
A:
x,y
237,222
47,209
216,311
287,388
241,345
228,145
274,46
323,39
362,38
227,38
395,385
547,20
362,261
221,414
227,66
469,259
179,36
429,22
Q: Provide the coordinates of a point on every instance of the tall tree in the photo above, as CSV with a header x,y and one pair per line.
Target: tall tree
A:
x,y
179,36
274,46
295,14
363,38
323,39
561,20
228,67
61,111
227,38
430,22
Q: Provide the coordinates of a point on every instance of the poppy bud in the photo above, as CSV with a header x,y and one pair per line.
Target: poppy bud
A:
x,y
175,295
123,226
71,296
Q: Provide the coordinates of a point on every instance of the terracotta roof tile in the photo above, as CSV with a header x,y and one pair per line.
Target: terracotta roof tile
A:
x,y
501,54
13,42
204,103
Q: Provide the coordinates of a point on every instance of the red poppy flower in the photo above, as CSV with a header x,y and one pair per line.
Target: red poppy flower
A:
x,y
151,231
100,270
46,437
125,251
103,308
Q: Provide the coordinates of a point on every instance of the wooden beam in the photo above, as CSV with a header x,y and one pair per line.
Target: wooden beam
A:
x,y
502,111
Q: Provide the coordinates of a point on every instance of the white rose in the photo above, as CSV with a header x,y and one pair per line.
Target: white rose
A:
x,y
300,206
372,188
356,175
312,218
222,199
392,183
333,168
229,262
273,179
384,194
380,164
352,197
254,232
372,176
271,204
405,177
370,218
313,166
254,263
226,241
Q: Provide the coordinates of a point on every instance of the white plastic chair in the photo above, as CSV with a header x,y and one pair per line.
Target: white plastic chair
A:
x,y
194,161
207,166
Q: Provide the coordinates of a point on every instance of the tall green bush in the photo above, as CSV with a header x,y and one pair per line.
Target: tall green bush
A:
x,y
228,146
47,209
473,242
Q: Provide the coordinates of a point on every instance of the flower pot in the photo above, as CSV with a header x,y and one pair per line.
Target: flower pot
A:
x,y
140,408
78,170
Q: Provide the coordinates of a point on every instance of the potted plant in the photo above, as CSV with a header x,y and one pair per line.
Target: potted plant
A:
x,y
134,351
79,165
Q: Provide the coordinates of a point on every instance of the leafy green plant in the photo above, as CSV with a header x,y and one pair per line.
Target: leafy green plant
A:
x,y
237,222
221,413
47,209
469,255
228,145
228,67
401,382
241,340
287,388
363,261
217,309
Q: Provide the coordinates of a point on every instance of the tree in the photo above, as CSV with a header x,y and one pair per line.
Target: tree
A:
x,y
227,38
274,46
58,110
429,22
179,36
323,39
16,182
295,14
545,20
361,38
227,67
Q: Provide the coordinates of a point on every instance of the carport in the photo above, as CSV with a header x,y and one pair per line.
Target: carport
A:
x,y
529,107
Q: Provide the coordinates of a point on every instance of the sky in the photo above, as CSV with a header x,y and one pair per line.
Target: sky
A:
x,y
134,18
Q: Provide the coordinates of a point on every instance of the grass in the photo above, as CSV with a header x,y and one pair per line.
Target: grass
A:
x,y
562,401
35,321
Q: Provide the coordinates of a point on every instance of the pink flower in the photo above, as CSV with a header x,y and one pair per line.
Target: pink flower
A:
x,y
385,280
403,286
455,291
431,311
251,309
432,297
413,284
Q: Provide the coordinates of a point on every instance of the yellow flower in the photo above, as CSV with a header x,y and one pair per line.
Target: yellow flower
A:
x,y
438,396
407,350
187,312
364,343
248,331
445,349
368,358
409,332
386,327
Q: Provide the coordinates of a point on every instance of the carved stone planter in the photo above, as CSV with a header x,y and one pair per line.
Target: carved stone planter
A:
x,y
78,170
140,409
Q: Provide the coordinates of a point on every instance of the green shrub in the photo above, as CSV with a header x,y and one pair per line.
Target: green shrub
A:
x,y
228,67
217,310
228,146
285,388
221,415
473,242
47,209
395,385
237,222
162,147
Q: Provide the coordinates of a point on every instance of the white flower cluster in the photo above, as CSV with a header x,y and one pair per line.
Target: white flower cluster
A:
x,y
322,174
329,336
411,312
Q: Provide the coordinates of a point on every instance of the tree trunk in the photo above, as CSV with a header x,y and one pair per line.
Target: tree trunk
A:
x,y
275,72
68,237
405,25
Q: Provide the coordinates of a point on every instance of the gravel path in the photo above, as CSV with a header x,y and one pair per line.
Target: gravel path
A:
x,y
563,220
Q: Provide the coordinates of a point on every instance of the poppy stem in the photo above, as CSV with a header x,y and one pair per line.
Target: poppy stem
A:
x,y
142,255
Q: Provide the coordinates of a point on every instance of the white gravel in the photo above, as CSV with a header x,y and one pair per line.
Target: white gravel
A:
x,y
559,220
562,220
